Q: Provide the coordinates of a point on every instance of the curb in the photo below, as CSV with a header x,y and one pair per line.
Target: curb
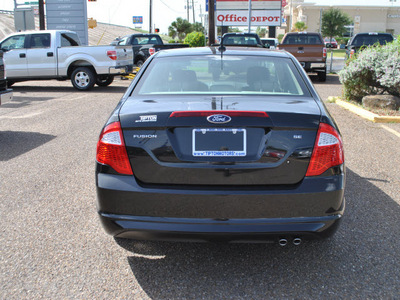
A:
x,y
364,113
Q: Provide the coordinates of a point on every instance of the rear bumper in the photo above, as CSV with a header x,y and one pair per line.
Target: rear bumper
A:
x,y
120,70
6,96
314,66
313,208
233,230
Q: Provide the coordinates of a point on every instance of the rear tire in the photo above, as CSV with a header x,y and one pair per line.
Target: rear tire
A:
x,y
83,78
139,63
322,76
104,80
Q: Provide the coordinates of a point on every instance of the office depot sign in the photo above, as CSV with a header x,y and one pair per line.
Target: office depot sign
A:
x,y
240,18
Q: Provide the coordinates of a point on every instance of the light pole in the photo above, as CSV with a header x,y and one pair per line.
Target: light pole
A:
x,y
150,16
249,16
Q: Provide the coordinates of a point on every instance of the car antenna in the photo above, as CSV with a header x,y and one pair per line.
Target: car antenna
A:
x,y
222,49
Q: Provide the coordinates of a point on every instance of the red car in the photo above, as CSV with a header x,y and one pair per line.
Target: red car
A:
x,y
330,43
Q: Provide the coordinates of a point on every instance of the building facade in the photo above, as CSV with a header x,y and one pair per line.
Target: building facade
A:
x,y
366,18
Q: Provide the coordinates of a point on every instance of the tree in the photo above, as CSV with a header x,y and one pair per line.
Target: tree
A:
x,y
300,26
261,32
197,27
333,22
195,39
179,28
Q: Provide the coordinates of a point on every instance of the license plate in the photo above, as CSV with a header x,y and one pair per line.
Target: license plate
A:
x,y
219,142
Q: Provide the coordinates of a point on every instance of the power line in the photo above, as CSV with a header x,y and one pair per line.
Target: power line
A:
x,y
179,12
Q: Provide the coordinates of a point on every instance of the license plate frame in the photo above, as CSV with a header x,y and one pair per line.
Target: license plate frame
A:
x,y
219,135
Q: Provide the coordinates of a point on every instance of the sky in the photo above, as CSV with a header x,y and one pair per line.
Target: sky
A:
x,y
120,12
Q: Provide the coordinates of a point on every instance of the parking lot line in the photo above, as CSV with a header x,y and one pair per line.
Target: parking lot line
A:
x,y
396,133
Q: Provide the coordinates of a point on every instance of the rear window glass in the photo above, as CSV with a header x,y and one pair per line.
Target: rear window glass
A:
x,y
367,39
70,39
143,40
307,39
40,40
227,75
269,42
240,40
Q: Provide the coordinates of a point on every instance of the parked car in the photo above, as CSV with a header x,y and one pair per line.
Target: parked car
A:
x,y
309,49
144,45
366,39
6,94
330,43
241,39
250,156
270,43
57,54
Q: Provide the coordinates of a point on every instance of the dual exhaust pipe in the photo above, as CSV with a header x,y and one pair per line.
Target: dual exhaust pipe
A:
x,y
283,242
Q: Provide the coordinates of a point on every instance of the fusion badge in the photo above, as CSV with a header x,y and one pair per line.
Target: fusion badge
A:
x,y
219,119
142,119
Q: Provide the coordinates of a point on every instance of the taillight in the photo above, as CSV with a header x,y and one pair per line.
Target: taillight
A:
x,y
324,52
352,53
111,149
328,151
112,54
152,51
207,113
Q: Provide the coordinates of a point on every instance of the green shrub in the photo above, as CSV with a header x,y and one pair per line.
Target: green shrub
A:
x,y
195,39
373,70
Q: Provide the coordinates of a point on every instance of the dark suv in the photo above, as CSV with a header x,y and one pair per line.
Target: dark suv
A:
x,y
366,39
241,39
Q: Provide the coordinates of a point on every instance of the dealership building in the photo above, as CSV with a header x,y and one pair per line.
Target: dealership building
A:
x,y
367,15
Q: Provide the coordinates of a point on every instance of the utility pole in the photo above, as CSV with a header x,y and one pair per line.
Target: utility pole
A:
x,y
211,22
150,17
42,25
194,18
249,16
187,9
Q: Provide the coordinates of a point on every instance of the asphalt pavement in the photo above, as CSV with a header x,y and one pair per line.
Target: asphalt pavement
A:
x,y
52,245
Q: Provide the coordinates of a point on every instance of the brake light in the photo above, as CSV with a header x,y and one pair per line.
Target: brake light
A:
x,y
111,149
352,53
324,52
207,113
112,54
152,51
328,151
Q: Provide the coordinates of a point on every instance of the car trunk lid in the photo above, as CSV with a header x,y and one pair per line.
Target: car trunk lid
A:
x,y
267,141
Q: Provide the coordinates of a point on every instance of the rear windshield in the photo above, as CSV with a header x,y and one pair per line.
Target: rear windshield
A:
x,y
367,39
227,75
269,42
240,40
307,39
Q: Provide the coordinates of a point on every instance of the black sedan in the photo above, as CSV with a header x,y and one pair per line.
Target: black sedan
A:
x,y
230,144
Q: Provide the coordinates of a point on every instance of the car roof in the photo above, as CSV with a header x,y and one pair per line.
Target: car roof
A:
x,y
302,33
230,50
239,33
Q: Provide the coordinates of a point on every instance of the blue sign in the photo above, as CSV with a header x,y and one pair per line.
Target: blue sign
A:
x,y
137,19
215,5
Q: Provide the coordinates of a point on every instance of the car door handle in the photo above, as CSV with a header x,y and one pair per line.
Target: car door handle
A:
x,y
50,54
22,55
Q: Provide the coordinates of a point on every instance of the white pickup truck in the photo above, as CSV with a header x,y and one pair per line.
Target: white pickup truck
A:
x,y
57,54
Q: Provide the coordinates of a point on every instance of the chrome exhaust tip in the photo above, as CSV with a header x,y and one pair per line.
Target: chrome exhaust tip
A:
x,y
296,241
283,242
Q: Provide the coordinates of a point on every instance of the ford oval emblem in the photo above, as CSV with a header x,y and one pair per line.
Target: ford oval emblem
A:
x,y
219,119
